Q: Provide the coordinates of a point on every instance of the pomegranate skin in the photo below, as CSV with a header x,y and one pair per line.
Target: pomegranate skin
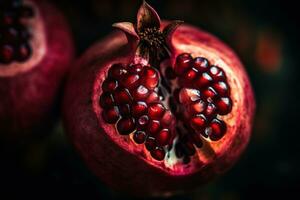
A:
x,y
121,168
29,96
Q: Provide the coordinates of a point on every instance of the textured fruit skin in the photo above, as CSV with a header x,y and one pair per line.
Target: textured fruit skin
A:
x,y
28,98
119,167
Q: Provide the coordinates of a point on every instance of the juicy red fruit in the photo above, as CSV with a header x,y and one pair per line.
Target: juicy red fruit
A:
x,y
179,111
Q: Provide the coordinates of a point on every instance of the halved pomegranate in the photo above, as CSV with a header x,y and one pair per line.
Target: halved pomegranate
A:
x,y
36,50
154,111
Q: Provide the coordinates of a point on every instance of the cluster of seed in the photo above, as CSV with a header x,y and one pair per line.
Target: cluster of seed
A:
x,y
131,101
203,94
14,36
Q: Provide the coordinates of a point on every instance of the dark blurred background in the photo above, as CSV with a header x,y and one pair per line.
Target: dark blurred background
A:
x,y
264,33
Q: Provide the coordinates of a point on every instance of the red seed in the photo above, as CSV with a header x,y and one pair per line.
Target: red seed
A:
x,y
150,78
130,80
156,111
111,115
117,71
140,93
125,126
150,143
188,95
183,62
143,121
106,100
190,75
158,153
197,107
201,64
163,137
224,105
109,85
135,69
210,110
122,96
203,80
222,88
153,97
139,137
210,93
218,129
153,127
167,118
6,53
139,108
23,52
217,73
198,122
124,110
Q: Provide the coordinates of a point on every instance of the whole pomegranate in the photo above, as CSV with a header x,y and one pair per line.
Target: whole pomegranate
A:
x,y
36,50
155,111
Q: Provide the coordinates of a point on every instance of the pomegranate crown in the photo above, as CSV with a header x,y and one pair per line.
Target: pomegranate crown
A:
x,y
153,42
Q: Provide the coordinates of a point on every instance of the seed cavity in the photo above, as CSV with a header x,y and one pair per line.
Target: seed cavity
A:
x,y
14,36
183,102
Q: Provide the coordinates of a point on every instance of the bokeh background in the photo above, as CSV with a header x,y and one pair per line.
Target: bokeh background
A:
x,y
264,33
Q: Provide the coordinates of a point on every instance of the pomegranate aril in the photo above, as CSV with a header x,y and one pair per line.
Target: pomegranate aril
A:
x,y
117,71
150,78
167,118
224,105
210,94
122,96
130,80
203,80
170,74
125,126
23,52
139,137
197,107
183,62
11,35
163,137
109,85
217,73
6,53
154,127
201,64
111,115
153,97
139,108
188,95
135,69
150,143
140,93
106,100
143,121
198,122
125,110
158,153
156,111
190,75
222,88
210,110
218,129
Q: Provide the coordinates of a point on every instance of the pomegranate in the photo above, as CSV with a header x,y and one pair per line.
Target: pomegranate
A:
x,y
36,50
158,107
